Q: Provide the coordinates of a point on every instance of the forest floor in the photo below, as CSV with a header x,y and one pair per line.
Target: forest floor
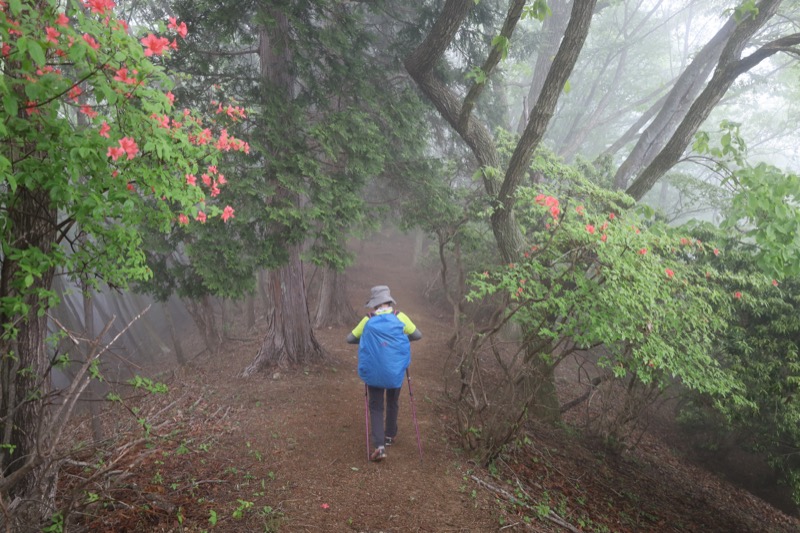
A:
x,y
286,451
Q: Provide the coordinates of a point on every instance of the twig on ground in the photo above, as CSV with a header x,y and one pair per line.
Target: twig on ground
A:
x,y
553,517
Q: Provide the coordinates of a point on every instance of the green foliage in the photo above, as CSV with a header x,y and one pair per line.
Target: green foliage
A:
x,y
765,206
89,125
538,9
762,347
602,272
764,211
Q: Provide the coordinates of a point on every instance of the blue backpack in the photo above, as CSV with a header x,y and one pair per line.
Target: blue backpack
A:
x,y
384,352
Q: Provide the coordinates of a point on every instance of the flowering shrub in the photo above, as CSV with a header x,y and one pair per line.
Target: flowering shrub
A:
x,y
90,128
93,149
601,273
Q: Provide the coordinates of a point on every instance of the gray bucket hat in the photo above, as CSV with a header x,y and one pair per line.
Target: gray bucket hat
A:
x,y
379,294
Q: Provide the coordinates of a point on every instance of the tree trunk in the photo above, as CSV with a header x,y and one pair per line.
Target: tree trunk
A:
x,y
28,478
729,68
289,339
420,65
553,28
675,107
334,309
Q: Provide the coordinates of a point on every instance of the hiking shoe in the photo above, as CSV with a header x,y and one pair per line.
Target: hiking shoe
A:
x,y
378,455
389,441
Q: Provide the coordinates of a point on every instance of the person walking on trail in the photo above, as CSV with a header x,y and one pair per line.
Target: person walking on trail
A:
x,y
384,353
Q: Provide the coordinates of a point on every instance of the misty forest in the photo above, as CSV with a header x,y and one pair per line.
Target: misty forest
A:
x,y
589,208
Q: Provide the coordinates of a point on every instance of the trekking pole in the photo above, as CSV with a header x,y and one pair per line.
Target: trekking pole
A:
x,y
414,414
366,415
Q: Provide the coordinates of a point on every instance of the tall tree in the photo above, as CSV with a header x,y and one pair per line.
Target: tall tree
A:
x,y
730,66
73,196
458,112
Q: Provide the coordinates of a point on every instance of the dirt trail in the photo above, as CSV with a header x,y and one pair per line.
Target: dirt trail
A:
x,y
286,451
308,427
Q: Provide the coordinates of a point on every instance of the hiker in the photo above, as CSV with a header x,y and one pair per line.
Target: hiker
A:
x,y
384,353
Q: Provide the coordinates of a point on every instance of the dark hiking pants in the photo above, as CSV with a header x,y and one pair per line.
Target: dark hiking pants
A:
x,y
376,418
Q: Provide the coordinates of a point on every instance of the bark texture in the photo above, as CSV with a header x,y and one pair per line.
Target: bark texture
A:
x,y
289,339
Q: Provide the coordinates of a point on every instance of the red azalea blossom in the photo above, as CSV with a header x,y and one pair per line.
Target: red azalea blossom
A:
x,y
191,179
554,211
129,146
716,251
227,213
612,216
579,210
774,282
74,93
52,34
130,186
183,219
154,45
642,251
122,75
104,129
590,229
170,97
206,180
201,217
604,237
88,111
99,6
114,152
90,41
737,295
325,506
669,272
179,28
62,20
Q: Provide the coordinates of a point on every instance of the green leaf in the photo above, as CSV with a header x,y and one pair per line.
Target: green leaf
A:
x,y
36,52
10,104
15,6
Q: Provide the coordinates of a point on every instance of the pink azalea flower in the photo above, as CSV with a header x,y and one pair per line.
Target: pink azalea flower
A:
x,y
99,6
114,152
52,34
129,146
62,20
154,45
191,179
737,295
88,111
774,282
590,229
642,251
90,41
183,219
669,272
104,129
201,217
